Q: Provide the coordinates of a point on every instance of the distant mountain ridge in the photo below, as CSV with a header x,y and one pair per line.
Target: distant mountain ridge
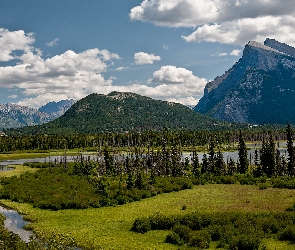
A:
x,y
57,109
259,88
122,112
16,116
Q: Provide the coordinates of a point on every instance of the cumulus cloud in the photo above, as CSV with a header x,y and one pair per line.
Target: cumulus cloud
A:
x,y
236,52
176,84
243,30
11,41
222,54
122,68
141,58
12,96
225,21
68,75
167,92
52,43
169,83
75,75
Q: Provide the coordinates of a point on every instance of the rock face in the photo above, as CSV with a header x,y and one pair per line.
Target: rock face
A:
x,y
14,116
57,109
259,88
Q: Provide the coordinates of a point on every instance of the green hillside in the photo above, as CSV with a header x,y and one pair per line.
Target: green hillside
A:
x,y
119,112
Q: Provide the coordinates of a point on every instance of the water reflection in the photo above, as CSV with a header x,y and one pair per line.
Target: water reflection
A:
x,y
5,168
14,222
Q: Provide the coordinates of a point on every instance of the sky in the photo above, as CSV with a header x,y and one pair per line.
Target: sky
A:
x,y
164,49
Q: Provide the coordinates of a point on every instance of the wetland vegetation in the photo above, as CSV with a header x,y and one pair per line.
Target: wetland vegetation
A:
x,y
145,184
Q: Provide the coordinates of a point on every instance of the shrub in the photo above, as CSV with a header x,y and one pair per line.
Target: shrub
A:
x,y
246,242
288,234
174,238
183,231
141,225
200,239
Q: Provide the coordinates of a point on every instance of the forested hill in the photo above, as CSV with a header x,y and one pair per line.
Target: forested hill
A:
x,y
120,112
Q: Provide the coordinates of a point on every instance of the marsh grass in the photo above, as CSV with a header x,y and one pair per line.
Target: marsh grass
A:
x,y
109,227
17,171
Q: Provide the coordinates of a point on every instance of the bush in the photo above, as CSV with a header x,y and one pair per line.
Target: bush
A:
x,y
174,238
200,239
288,234
246,242
183,231
162,222
142,225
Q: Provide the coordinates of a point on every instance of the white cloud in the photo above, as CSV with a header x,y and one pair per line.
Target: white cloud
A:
x,y
243,30
191,101
75,75
52,43
11,41
225,21
141,58
12,96
174,93
69,75
222,54
172,84
173,75
175,84
236,52
122,68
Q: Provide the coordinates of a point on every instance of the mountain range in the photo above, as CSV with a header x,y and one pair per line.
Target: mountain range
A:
x,y
16,116
258,89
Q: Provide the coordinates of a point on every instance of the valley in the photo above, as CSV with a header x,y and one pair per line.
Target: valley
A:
x,y
125,171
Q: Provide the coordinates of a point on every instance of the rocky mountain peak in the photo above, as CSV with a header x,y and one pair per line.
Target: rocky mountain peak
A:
x,y
57,109
258,45
282,47
257,89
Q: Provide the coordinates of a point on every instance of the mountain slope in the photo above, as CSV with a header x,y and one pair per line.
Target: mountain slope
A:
x,y
57,109
120,112
259,88
15,116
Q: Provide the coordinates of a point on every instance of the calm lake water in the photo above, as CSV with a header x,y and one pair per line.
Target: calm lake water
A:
x,y
14,222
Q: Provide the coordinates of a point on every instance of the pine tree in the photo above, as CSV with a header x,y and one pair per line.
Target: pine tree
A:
x,y
271,157
139,181
205,164
219,164
109,161
231,167
290,149
195,164
130,181
211,158
243,155
268,156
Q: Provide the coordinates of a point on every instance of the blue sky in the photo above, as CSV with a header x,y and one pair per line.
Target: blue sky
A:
x,y
165,49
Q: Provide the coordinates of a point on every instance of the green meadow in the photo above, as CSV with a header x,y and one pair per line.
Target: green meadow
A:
x,y
109,227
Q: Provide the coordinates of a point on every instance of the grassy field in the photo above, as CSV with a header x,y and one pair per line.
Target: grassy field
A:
x,y
35,154
109,227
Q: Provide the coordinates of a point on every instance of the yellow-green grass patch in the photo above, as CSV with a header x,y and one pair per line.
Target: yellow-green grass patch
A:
x,y
109,227
17,170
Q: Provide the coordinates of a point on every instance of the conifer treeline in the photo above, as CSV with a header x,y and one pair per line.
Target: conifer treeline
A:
x,y
169,160
144,139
